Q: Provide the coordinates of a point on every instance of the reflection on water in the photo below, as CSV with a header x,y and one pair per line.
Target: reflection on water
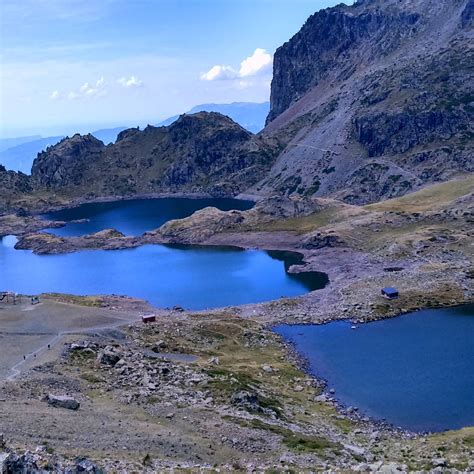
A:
x,y
192,277
134,217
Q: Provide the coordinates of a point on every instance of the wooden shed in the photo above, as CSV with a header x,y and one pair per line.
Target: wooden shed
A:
x,y
149,318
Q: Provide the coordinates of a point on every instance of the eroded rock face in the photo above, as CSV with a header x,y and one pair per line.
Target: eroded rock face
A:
x,y
279,207
64,164
329,44
200,226
204,152
375,100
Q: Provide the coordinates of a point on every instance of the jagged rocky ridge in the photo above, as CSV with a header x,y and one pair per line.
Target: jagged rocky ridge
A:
x,y
377,99
368,102
12,184
203,152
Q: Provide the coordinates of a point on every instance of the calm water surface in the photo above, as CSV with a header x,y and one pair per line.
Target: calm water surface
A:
x,y
136,216
416,370
192,277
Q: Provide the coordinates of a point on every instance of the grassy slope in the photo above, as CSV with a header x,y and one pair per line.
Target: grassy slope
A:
x,y
436,196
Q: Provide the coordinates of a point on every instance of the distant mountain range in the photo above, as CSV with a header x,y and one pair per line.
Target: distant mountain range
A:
x,y
249,115
18,153
20,156
367,103
11,142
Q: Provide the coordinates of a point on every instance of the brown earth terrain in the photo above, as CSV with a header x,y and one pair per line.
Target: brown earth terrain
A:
x,y
168,391
365,169
193,391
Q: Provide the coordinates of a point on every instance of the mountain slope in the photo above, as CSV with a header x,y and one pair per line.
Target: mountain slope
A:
x,y
368,102
375,100
18,154
12,185
204,152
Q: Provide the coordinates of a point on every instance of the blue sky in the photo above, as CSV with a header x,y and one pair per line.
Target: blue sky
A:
x,y
70,65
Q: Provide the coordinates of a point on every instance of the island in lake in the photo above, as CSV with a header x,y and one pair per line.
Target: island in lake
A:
x,y
204,296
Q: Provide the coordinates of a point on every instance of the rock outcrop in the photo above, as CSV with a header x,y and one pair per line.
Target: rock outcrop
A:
x,y
374,100
12,185
65,163
204,152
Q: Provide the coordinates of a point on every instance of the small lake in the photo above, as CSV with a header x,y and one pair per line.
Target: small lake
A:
x,y
416,371
134,217
165,275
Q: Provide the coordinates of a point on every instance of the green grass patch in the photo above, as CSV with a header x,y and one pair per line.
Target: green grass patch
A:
x,y
429,198
295,441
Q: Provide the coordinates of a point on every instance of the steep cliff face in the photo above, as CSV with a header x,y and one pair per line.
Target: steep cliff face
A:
x,y
376,99
333,44
204,152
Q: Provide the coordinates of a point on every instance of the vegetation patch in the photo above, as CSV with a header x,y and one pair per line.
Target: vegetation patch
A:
x,y
296,441
92,301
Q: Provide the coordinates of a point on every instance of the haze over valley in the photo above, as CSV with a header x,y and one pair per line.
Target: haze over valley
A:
x,y
278,277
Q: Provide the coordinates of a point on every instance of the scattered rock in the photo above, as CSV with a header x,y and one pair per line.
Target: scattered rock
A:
x,y
108,356
62,401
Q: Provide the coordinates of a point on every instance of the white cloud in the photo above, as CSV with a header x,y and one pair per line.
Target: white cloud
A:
x,y
73,96
92,90
259,63
87,90
219,73
131,82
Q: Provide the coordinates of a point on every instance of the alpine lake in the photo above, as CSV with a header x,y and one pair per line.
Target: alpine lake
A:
x,y
166,275
415,371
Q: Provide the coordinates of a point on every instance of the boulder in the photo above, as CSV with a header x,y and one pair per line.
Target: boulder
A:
x,y
108,356
247,400
12,463
62,401
85,465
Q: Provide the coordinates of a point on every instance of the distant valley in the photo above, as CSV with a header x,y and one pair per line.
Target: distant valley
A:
x,y
353,204
18,154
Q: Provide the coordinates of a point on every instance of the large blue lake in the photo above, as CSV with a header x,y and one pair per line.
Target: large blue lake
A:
x,y
192,277
415,371
136,216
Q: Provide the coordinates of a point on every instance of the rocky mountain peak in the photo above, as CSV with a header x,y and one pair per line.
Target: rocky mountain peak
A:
x,y
373,100
334,43
206,151
62,164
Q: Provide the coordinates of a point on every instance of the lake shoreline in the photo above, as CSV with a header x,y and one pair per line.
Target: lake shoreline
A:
x,y
356,276
330,393
331,399
350,270
79,201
